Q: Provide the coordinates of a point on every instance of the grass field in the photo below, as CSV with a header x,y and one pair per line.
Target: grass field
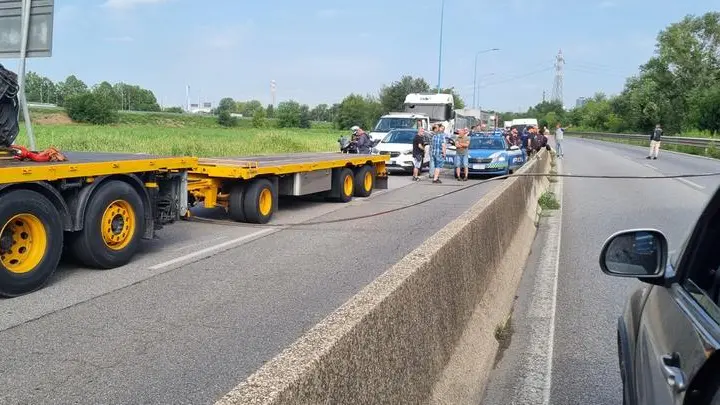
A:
x,y
176,135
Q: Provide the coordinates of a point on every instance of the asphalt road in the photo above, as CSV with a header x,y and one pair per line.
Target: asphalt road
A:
x,y
580,364
205,305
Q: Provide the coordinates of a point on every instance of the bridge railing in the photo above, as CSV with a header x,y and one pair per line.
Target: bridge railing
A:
x,y
670,140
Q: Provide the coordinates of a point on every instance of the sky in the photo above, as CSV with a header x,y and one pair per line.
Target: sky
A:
x,y
320,51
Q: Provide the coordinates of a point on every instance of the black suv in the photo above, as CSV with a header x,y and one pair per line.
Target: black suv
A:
x,y
669,333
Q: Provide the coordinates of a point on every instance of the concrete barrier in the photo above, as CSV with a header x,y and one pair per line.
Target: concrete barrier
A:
x,y
422,332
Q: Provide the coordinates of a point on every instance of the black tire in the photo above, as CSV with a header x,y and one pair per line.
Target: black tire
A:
x,y
34,215
364,181
9,125
236,209
343,185
91,245
259,201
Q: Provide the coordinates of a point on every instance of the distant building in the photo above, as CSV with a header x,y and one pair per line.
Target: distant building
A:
x,y
205,109
581,101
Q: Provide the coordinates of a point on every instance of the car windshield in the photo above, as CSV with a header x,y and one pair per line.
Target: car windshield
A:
x,y
487,143
400,137
387,124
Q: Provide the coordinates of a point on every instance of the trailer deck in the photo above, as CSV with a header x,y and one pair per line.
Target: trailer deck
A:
x,y
90,164
251,166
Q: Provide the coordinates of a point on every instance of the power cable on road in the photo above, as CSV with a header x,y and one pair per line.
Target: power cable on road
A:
x,y
457,190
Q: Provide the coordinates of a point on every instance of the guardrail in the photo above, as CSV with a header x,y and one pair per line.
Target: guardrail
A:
x,y
669,140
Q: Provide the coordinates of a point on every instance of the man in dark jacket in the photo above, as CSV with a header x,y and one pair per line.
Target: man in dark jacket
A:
x,y
655,138
362,140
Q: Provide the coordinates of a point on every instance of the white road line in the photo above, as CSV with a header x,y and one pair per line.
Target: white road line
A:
x,y
651,166
551,335
537,360
690,183
209,251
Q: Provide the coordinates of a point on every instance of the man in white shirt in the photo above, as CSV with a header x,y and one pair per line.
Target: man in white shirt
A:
x,y
559,132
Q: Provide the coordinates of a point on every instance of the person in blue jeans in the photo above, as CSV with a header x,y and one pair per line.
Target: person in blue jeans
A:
x,y
462,143
437,152
428,135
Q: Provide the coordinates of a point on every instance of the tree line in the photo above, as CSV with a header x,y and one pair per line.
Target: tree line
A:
x,y
679,87
354,109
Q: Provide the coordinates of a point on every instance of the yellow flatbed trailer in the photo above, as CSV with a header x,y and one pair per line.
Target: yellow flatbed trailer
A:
x,y
95,206
249,187
98,206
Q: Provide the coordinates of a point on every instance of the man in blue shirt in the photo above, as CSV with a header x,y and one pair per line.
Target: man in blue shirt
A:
x,y
439,147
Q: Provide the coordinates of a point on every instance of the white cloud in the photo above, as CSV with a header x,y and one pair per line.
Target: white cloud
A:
x,y
126,4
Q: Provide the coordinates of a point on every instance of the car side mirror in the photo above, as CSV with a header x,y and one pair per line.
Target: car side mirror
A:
x,y
638,253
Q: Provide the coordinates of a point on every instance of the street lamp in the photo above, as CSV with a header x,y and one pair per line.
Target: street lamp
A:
x,y
442,19
475,74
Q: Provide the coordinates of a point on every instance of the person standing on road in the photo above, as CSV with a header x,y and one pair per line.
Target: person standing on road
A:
x,y
418,152
559,134
437,153
428,136
462,143
655,139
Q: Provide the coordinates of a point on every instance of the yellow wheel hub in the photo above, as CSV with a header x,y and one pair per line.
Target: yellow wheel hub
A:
x,y
368,181
265,202
23,242
348,185
118,225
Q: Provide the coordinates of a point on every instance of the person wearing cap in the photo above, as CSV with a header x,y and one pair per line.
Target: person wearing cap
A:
x,y
362,140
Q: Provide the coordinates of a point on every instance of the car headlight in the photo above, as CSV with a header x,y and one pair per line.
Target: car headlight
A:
x,y
374,151
408,152
498,157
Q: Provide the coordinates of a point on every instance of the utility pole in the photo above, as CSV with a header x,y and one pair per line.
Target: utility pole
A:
x,y
557,95
442,19
543,96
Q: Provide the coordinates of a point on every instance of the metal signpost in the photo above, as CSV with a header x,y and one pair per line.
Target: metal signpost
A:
x,y
26,31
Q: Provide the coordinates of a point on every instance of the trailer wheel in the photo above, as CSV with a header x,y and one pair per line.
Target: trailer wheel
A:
x,y
258,201
343,185
31,241
236,209
364,181
114,224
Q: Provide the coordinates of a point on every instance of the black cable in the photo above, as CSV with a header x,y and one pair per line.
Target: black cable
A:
x,y
475,184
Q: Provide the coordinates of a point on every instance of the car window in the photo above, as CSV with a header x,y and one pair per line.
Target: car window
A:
x,y
703,275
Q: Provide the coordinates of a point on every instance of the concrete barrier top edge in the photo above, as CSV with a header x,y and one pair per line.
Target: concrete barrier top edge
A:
x,y
276,375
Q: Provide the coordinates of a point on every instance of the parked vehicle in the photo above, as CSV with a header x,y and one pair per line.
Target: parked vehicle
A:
x,y
489,155
398,120
669,333
398,145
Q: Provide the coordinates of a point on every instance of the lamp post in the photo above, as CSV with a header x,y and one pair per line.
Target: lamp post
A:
x,y
442,19
475,73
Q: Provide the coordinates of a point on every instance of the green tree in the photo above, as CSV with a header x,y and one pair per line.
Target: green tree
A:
x,y
226,104
270,111
393,96
288,114
259,118
91,108
305,118
457,100
249,108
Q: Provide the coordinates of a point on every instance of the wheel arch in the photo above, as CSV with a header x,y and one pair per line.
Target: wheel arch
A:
x,y
78,203
49,192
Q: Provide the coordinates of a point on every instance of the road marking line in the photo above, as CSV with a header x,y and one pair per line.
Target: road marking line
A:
x,y
690,183
209,251
535,381
551,335
651,166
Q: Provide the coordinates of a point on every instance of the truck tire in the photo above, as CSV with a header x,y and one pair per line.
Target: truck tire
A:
x,y
31,241
258,201
113,227
364,181
343,185
236,209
